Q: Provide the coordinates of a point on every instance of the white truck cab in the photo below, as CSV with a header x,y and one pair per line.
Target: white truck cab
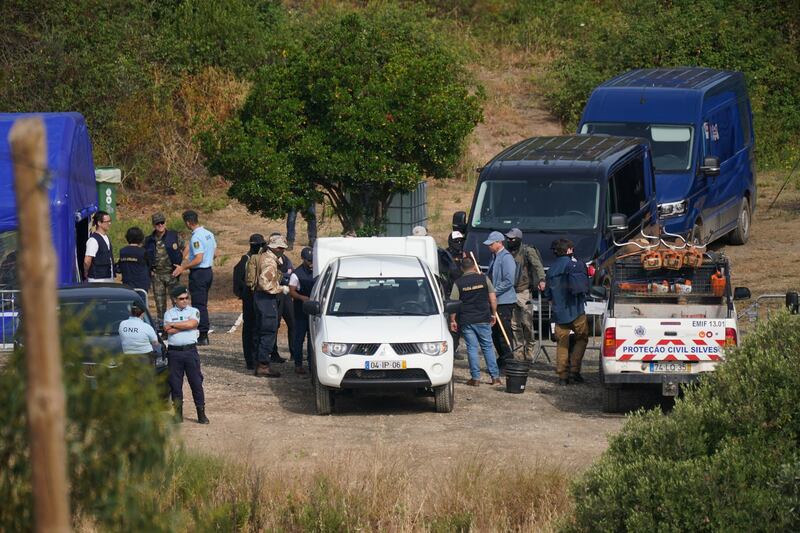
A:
x,y
666,327
378,319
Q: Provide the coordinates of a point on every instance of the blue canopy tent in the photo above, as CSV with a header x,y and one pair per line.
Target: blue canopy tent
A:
x,y
71,188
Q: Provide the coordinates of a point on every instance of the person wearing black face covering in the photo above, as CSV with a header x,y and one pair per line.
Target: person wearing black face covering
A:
x,y
243,292
450,260
529,277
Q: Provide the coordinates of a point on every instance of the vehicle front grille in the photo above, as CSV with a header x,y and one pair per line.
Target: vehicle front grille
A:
x,y
405,348
364,349
408,373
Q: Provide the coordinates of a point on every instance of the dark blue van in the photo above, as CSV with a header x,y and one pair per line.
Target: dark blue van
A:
x,y
579,187
699,125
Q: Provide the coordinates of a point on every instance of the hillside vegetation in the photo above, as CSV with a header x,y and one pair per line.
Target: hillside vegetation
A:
x,y
150,76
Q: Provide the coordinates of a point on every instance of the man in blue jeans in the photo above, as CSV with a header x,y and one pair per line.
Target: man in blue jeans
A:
x,y
475,319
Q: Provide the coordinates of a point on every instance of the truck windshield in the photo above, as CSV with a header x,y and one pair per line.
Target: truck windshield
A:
x,y
671,144
382,297
537,204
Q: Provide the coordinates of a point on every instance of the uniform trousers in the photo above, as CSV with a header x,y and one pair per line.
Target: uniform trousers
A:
x,y
186,362
570,361
162,286
286,312
301,333
522,326
199,284
266,308
249,328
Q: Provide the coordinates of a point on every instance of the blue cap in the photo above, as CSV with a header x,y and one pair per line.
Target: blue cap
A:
x,y
307,254
494,236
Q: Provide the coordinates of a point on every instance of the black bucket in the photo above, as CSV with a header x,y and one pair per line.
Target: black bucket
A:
x,y
516,376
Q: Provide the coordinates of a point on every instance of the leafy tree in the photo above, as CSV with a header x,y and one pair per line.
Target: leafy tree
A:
x,y
357,106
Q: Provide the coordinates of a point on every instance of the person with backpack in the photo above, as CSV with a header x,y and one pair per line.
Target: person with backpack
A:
x,y
528,279
264,279
245,294
567,285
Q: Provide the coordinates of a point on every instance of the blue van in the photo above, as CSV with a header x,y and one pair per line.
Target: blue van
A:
x,y
585,188
699,124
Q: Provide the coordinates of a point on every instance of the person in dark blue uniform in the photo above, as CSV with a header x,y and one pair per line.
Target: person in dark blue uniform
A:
x,y
180,324
285,307
202,248
300,284
245,294
133,264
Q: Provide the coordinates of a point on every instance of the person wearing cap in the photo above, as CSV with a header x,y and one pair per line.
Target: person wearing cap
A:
x,y
202,248
180,324
450,269
529,278
502,273
267,286
245,294
137,336
300,285
285,307
164,250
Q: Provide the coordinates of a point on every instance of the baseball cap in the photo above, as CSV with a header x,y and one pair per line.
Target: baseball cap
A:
x,y
257,238
514,233
307,254
494,236
158,218
456,235
419,231
277,241
177,291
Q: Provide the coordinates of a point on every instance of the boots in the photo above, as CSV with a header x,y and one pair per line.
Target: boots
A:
x,y
201,415
178,405
263,370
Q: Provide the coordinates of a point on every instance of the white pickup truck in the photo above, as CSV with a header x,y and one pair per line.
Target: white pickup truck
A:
x,y
666,327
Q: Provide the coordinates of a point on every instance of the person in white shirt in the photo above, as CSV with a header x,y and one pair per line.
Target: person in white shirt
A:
x,y
137,336
98,263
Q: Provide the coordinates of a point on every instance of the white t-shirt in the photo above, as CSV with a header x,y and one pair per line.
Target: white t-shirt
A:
x,y
294,281
91,251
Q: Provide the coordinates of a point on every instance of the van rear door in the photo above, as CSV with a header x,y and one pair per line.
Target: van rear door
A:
x,y
656,342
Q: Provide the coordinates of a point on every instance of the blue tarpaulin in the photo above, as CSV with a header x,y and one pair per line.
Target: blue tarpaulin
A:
x,y
72,189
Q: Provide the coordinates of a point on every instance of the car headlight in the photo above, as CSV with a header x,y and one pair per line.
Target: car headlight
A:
x,y
672,209
335,349
433,348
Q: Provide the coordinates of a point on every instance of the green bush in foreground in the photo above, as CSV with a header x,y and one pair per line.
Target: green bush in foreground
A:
x,y
725,459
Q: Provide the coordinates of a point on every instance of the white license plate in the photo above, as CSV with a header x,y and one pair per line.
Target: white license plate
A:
x,y
385,365
670,367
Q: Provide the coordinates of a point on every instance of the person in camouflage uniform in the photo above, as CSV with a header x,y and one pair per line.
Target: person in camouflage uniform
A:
x,y
530,276
165,250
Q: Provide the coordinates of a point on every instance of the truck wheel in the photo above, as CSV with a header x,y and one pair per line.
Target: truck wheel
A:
x,y
445,395
610,399
741,234
324,398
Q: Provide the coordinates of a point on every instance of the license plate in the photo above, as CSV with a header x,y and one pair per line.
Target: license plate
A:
x,y
670,367
385,365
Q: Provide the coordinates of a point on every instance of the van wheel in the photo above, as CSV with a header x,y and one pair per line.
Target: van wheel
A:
x,y
445,396
741,234
324,398
611,399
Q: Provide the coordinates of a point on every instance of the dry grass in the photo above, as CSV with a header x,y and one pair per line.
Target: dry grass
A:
x,y
378,493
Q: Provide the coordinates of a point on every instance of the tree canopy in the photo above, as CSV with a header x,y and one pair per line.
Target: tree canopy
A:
x,y
355,106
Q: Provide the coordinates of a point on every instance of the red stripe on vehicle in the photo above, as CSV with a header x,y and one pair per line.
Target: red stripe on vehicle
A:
x,y
649,357
714,357
721,342
692,357
670,357
620,342
676,342
625,357
700,342
641,342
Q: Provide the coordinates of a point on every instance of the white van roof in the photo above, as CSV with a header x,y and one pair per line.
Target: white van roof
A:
x,y
327,249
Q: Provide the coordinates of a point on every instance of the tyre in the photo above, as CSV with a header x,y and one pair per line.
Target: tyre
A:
x,y
611,399
741,234
445,395
324,398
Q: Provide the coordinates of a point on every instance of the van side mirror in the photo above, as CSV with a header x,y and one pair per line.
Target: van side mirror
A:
x,y
710,166
452,306
311,308
460,221
619,223
599,292
741,293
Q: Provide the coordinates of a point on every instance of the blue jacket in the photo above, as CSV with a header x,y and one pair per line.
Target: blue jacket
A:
x,y
567,285
502,272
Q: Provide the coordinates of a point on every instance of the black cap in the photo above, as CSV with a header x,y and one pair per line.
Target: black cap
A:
x,y
307,254
137,306
177,291
257,238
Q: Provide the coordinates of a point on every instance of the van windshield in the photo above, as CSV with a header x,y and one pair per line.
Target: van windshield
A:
x,y
671,144
382,297
537,204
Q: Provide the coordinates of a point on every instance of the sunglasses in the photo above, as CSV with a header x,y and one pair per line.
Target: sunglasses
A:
x,y
159,224
182,298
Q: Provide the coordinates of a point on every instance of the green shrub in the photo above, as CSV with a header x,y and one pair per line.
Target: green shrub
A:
x,y
725,459
116,436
